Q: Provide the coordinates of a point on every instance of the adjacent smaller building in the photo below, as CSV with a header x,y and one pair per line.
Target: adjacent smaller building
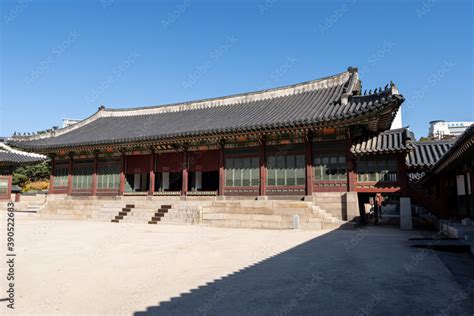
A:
x,y
448,183
10,159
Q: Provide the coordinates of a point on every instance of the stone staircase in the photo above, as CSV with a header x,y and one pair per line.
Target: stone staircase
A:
x,y
83,209
268,214
124,212
158,216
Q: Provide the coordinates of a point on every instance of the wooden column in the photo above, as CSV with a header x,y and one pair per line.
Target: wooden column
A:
x,y
94,174
471,196
221,171
402,175
263,168
9,186
51,176
69,175
443,200
351,168
309,165
151,186
467,202
184,188
123,162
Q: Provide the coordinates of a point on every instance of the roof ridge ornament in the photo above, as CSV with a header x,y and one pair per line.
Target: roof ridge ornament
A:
x,y
352,85
393,88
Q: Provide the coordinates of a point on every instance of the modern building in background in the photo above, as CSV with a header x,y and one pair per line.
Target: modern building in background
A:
x,y
441,129
68,122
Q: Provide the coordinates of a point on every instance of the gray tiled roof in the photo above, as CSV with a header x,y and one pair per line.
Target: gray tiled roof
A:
x,y
425,154
391,141
310,103
463,145
9,155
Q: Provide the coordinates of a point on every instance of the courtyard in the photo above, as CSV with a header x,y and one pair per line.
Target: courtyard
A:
x,y
92,268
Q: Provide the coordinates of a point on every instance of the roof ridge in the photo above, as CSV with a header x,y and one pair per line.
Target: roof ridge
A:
x,y
341,76
295,89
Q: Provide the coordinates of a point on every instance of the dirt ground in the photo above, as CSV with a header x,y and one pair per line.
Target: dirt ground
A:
x,y
90,268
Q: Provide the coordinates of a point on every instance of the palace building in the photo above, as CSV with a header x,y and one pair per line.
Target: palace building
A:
x,y
10,159
298,141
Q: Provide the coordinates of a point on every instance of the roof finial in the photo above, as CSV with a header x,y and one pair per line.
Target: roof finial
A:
x,y
101,107
394,88
352,69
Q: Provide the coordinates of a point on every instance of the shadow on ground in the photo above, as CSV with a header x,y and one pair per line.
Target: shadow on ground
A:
x,y
370,271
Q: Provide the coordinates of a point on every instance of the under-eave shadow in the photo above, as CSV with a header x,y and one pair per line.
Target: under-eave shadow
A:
x,y
324,276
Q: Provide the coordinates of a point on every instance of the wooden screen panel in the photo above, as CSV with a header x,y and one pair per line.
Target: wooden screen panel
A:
x,y
169,162
138,164
204,161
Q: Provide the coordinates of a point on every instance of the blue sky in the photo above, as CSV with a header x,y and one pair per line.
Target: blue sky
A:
x,y
65,58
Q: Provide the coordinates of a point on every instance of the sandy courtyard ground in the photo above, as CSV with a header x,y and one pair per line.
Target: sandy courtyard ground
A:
x,y
87,268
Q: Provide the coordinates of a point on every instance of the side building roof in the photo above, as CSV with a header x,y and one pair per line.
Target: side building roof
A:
x,y
426,154
387,142
10,156
334,100
462,147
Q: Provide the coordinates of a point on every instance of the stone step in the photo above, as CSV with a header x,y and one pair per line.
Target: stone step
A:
x,y
247,224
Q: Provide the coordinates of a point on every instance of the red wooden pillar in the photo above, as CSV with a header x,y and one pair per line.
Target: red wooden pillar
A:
x,y
51,176
309,166
184,188
221,171
152,174
69,175
123,162
263,168
94,174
